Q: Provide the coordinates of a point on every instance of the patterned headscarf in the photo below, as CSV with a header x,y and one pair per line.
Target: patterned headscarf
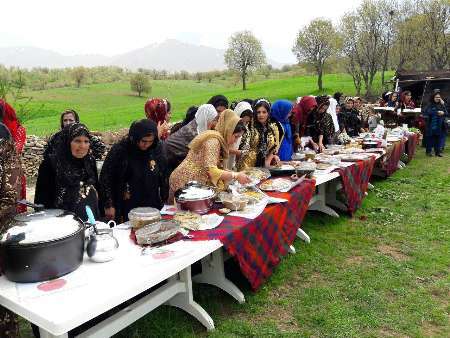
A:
x,y
205,114
156,109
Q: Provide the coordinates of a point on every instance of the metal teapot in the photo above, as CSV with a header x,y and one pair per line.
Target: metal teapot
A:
x,y
102,245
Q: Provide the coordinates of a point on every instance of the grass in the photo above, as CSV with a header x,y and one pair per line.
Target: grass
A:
x,y
382,273
111,106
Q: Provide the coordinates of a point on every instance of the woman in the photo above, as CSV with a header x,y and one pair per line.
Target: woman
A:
x,y
301,111
435,114
207,152
69,117
265,136
219,102
134,173
244,110
282,111
190,115
393,101
177,144
10,174
159,111
406,102
349,120
320,124
67,179
9,118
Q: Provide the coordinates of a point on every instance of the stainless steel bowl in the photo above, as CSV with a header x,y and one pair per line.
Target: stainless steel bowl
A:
x,y
198,205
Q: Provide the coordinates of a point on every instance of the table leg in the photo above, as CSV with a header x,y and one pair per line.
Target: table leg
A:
x,y
317,203
45,334
331,199
213,273
303,235
185,301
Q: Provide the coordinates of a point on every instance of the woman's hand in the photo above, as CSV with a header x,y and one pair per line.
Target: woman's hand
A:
x,y
321,148
271,160
110,213
242,178
440,113
163,128
236,152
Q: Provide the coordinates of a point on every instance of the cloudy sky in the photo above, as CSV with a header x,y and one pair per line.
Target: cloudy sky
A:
x,y
114,27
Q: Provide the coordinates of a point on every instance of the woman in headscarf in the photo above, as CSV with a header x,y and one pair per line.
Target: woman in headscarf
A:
x,y
219,102
435,114
18,133
159,111
190,115
320,124
406,102
10,173
301,111
207,153
69,117
244,110
349,120
265,136
177,144
282,111
134,173
67,179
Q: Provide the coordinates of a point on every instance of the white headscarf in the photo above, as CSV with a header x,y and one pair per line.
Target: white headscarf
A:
x,y
242,107
205,114
332,111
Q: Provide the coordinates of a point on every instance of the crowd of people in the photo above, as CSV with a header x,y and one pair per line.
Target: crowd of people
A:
x,y
214,144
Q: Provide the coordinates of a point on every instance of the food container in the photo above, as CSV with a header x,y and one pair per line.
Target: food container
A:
x,y
142,216
158,232
234,203
369,144
298,156
195,197
42,245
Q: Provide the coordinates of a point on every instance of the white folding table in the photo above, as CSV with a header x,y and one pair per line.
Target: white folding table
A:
x,y
103,286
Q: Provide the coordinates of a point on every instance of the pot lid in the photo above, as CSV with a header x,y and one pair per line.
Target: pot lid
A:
x,y
144,212
42,226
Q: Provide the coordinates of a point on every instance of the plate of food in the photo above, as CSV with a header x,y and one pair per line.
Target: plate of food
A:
x,y
259,174
275,184
188,220
253,194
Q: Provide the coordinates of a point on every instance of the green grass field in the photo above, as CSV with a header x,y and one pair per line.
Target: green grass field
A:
x,y
112,105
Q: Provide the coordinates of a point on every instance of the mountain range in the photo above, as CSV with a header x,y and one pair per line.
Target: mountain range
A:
x,y
171,55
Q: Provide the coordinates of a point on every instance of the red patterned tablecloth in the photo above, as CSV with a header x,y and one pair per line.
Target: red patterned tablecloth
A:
x,y
411,145
258,244
389,163
355,180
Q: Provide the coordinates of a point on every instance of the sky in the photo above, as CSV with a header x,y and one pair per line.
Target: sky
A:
x,y
114,27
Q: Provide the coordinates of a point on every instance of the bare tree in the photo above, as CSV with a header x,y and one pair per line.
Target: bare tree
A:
x,y
363,44
436,14
79,73
315,43
244,54
139,83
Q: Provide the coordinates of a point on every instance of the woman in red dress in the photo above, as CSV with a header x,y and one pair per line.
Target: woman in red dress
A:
x,y
9,118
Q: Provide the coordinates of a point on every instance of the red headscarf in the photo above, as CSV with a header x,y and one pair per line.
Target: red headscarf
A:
x,y
301,111
15,128
410,104
156,110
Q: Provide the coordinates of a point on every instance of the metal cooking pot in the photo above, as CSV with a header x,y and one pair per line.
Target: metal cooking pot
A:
x,y
27,256
197,205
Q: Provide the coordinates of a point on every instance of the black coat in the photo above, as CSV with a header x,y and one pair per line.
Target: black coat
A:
x,y
132,178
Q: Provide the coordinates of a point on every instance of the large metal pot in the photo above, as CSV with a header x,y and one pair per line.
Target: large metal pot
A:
x,y
198,205
27,256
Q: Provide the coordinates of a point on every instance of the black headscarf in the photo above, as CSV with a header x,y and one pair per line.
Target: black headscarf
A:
x,y
337,96
138,130
69,169
219,100
66,112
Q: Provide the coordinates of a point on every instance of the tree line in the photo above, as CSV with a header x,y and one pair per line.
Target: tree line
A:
x,y
377,36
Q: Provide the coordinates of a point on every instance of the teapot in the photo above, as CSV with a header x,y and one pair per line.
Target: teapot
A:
x,y
102,245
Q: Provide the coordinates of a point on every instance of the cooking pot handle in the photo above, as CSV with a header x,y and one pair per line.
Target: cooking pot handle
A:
x,y
36,207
